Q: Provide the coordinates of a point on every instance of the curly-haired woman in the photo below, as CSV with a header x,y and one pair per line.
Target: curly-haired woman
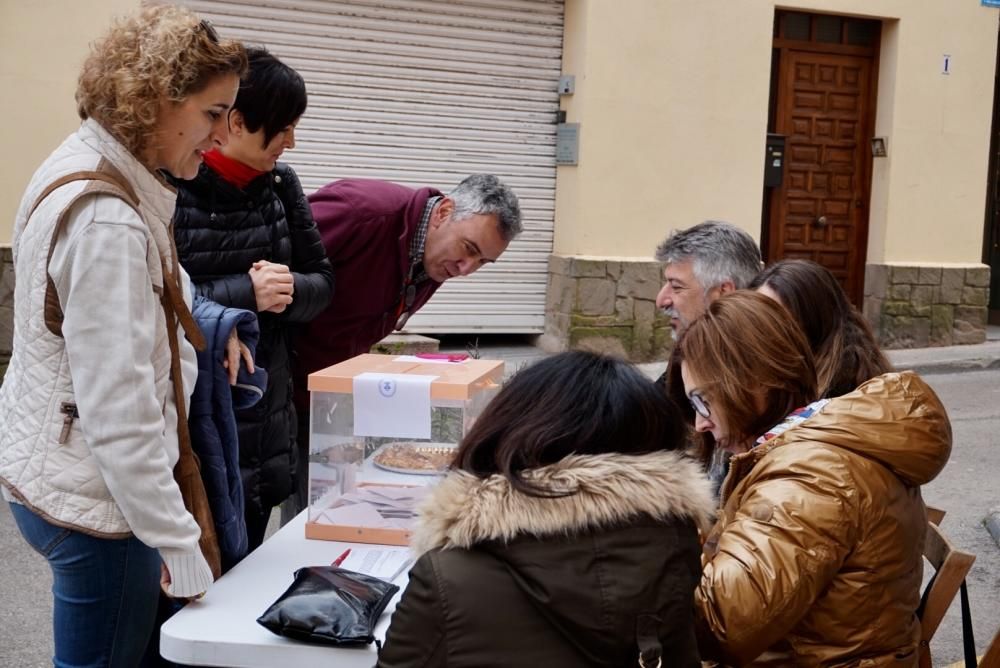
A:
x,y
101,368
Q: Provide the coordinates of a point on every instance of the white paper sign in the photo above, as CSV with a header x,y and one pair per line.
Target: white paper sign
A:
x,y
392,404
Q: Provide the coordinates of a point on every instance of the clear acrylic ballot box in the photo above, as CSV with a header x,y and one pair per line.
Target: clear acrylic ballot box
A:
x,y
383,428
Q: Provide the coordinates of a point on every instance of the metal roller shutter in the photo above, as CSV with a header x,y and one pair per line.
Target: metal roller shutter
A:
x,y
425,92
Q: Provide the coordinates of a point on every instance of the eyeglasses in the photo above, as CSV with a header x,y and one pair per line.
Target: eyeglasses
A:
x,y
699,405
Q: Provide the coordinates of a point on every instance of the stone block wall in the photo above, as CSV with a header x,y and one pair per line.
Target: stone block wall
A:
x,y
924,306
6,306
405,344
606,306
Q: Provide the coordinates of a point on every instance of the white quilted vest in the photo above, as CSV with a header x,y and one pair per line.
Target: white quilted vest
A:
x,y
50,470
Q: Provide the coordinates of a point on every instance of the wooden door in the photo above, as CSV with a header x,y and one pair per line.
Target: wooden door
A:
x,y
820,212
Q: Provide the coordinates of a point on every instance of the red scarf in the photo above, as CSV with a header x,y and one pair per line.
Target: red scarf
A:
x,y
233,171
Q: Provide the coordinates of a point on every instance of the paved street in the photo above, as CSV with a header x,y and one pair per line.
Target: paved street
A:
x,y
967,489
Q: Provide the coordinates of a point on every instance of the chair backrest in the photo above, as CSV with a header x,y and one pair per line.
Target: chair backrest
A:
x,y
951,566
991,659
935,515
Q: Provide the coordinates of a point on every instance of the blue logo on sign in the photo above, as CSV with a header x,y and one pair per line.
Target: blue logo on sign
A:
x,y
387,387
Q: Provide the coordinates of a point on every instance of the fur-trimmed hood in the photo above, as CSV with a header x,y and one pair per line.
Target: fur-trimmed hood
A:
x,y
605,490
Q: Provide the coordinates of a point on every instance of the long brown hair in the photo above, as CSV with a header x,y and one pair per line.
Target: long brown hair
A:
x,y
576,402
746,347
842,342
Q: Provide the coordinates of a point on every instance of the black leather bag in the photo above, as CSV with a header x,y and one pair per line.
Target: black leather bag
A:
x,y
329,605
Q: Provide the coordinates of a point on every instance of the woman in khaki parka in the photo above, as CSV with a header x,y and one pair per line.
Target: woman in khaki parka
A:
x,y
565,534
816,558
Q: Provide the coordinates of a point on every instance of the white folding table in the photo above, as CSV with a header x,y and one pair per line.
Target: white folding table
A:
x,y
222,630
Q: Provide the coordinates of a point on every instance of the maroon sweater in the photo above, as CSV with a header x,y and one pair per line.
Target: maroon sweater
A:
x,y
367,227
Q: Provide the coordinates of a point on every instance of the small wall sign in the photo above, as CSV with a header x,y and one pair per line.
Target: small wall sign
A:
x,y
880,147
567,143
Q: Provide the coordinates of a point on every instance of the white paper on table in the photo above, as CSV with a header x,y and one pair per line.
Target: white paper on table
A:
x,y
356,515
392,404
380,562
398,497
365,515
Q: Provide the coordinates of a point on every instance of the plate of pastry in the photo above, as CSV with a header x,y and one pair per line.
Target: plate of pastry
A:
x,y
414,458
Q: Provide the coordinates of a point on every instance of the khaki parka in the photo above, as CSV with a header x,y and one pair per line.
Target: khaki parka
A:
x,y
816,558
508,580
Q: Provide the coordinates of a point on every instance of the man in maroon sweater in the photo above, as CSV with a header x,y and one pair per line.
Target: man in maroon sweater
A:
x,y
391,248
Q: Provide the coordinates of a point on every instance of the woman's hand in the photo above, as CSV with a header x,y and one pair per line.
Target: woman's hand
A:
x,y
273,285
165,585
235,349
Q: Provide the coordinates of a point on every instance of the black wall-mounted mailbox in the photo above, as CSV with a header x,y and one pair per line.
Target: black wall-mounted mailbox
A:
x,y
774,160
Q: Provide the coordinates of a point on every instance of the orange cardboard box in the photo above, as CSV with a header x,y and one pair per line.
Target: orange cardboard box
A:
x,y
456,380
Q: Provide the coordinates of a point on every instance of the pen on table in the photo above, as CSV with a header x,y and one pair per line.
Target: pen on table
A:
x,y
339,560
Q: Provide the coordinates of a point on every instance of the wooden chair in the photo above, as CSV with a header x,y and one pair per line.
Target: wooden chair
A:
x,y
991,659
950,566
935,515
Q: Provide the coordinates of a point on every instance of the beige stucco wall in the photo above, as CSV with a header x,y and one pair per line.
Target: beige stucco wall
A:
x,y
672,99
42,45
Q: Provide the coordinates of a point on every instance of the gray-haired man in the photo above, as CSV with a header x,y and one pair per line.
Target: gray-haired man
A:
x,y
701,264
391,248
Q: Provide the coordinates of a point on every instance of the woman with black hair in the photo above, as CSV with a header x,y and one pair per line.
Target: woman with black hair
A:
x,y
245,233
565,533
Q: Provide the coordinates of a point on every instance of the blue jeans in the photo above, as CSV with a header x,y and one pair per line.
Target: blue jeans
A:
x,y
105,593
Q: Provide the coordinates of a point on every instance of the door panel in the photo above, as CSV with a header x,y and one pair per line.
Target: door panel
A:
x,y
819,212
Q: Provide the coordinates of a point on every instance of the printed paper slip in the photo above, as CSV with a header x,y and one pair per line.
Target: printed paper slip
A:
x,y
376,507
384,563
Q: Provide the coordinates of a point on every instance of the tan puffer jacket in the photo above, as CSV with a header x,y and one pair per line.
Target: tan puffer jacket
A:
x,y
816,557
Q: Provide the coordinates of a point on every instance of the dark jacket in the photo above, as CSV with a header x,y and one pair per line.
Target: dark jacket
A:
x,y
367,227
220,232
511,580
213,423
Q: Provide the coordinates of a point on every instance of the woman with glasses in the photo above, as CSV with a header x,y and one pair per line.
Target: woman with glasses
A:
x,y
843,346
816,555
566,533
246,235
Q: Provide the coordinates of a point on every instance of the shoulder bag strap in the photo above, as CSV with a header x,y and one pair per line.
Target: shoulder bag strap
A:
x,y
105,179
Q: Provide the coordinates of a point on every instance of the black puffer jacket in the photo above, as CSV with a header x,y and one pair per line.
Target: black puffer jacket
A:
x,y
220,232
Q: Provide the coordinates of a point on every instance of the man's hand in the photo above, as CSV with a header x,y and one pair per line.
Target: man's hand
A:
x,y
235,349
273,286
